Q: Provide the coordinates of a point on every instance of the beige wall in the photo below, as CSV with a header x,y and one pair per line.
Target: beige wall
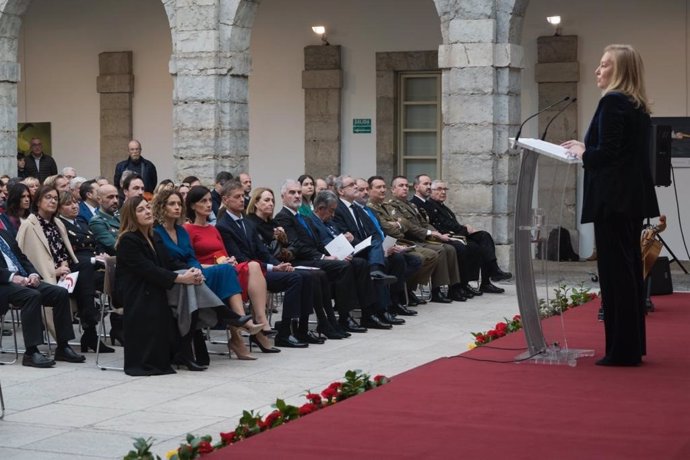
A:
x,y
276,98
659,30
59,46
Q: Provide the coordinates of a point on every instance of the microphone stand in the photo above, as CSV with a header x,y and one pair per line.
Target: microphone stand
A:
x,y
517,136
543,136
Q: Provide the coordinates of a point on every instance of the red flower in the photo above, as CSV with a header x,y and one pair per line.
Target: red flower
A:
x,y
329,393
335,385
516,318
314,398
272,418
380,379
480,338
205,447
307,408
501,327
228,438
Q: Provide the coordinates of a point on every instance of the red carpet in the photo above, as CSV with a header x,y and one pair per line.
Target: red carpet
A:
x,y
458,408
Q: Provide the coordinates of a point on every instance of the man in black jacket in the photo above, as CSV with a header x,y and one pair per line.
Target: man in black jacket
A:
x,y
20,285
38,164
138,164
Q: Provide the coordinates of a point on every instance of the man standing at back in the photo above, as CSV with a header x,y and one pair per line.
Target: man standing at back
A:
x,y
38,164
139,165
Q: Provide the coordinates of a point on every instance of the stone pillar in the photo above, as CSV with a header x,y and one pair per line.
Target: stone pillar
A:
x,y
115,84
322,81
557,74
481,109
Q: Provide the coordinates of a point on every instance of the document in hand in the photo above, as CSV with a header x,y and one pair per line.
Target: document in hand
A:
x,y
388,243
340,248
69,281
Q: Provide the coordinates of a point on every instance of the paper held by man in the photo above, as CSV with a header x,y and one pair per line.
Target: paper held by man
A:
x,y
547,148
340,248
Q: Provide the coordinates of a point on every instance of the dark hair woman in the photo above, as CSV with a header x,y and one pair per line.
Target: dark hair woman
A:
x,y
307,183
17,208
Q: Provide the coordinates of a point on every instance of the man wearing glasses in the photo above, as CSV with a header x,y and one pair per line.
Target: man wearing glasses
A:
x,y
38,164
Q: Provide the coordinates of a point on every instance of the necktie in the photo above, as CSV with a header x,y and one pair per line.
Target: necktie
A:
x,y
8,252
301,220
373,218
358,221
240,224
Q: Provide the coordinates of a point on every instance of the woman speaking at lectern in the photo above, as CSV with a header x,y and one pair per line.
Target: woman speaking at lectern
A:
x,y
618,195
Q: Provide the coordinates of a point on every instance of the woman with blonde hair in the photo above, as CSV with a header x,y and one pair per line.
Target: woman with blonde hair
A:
x,y
618,195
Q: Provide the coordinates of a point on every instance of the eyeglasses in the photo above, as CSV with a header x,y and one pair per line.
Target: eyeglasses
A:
x,y
50,197
36,145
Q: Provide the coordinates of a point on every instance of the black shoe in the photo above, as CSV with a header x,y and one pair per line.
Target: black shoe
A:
x,y
458,296
609,362
68,355
189,363
402,310
378,275
373,322
491,289
311,338
472,291
239,321
330,332
89,340
37,359
413,300
438,297
6,332
255,341
500,275
387,317
289,341
338,328
350,325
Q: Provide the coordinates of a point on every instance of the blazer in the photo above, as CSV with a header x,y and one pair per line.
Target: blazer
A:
x,y
47,167
246,246
105,228
80,237
616,162
444,219
5,272
343,221
148,173
304,244
34,243
85,213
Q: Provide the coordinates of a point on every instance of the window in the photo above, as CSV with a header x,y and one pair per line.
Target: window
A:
x,y
419,124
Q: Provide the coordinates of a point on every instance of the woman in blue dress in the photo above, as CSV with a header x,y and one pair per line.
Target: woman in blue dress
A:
x,y
221,279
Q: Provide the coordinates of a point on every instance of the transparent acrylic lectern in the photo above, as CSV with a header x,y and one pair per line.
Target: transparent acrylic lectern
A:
x,y
526,224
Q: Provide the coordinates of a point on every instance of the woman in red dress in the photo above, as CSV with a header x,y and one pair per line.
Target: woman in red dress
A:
x,y
210,250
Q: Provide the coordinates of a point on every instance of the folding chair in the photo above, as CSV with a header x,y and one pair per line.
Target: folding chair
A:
x,y
15,320
107,306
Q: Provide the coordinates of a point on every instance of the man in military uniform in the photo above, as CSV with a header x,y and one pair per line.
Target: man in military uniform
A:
x,y
105,224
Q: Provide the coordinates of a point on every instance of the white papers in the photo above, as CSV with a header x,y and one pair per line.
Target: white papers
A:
x,y
69,281
388,243
302,267
340,248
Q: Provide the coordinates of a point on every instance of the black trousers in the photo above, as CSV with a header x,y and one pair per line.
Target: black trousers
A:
x,y
622,289
341,274
292,284
84,292
30,300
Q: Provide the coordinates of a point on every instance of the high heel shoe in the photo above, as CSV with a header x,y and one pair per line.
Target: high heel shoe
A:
x,y
242,355
180,361
240,321
89,340
254,339
253,329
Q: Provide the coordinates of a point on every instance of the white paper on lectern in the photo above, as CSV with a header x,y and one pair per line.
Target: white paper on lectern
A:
x,y
547,148
339,247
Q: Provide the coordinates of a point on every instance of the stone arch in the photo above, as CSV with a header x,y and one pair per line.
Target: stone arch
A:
x,y
11,14
481,58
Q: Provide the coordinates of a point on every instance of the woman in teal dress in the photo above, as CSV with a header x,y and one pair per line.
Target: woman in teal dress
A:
x,y
221,279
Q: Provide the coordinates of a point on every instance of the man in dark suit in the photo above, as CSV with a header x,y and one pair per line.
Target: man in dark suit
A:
x,y
88,192
242,241
20,285
216,199
246,181
351,289
38,164
444,219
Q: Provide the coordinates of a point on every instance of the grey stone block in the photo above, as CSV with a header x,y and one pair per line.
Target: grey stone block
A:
x,y
471,30
554,49
322,79
113,83
9,72
116,101
196,17
319,57
115,62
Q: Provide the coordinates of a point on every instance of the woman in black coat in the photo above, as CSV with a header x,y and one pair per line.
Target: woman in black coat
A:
x,y
142,280
618,195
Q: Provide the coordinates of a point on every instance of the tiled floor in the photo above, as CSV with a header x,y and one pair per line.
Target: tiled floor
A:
x,y
76,411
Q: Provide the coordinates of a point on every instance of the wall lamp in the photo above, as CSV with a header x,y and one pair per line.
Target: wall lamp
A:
x,y
555,21
321,30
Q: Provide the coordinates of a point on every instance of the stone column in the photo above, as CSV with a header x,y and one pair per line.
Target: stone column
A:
x,y
322,81
557,74
481,108
116,86
10,24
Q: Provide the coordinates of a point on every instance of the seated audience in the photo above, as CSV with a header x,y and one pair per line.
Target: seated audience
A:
x,y
33,185
44,240
168,211
307,183
17,208
88,192
21,285
105,224
210,250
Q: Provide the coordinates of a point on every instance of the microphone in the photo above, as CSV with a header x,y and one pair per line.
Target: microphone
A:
x,y
543,136
517,136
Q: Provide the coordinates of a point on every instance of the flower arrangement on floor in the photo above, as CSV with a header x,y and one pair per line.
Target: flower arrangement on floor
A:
x,y
564,299
251,423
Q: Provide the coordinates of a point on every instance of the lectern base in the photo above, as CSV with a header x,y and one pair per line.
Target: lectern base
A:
x,y
554,355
